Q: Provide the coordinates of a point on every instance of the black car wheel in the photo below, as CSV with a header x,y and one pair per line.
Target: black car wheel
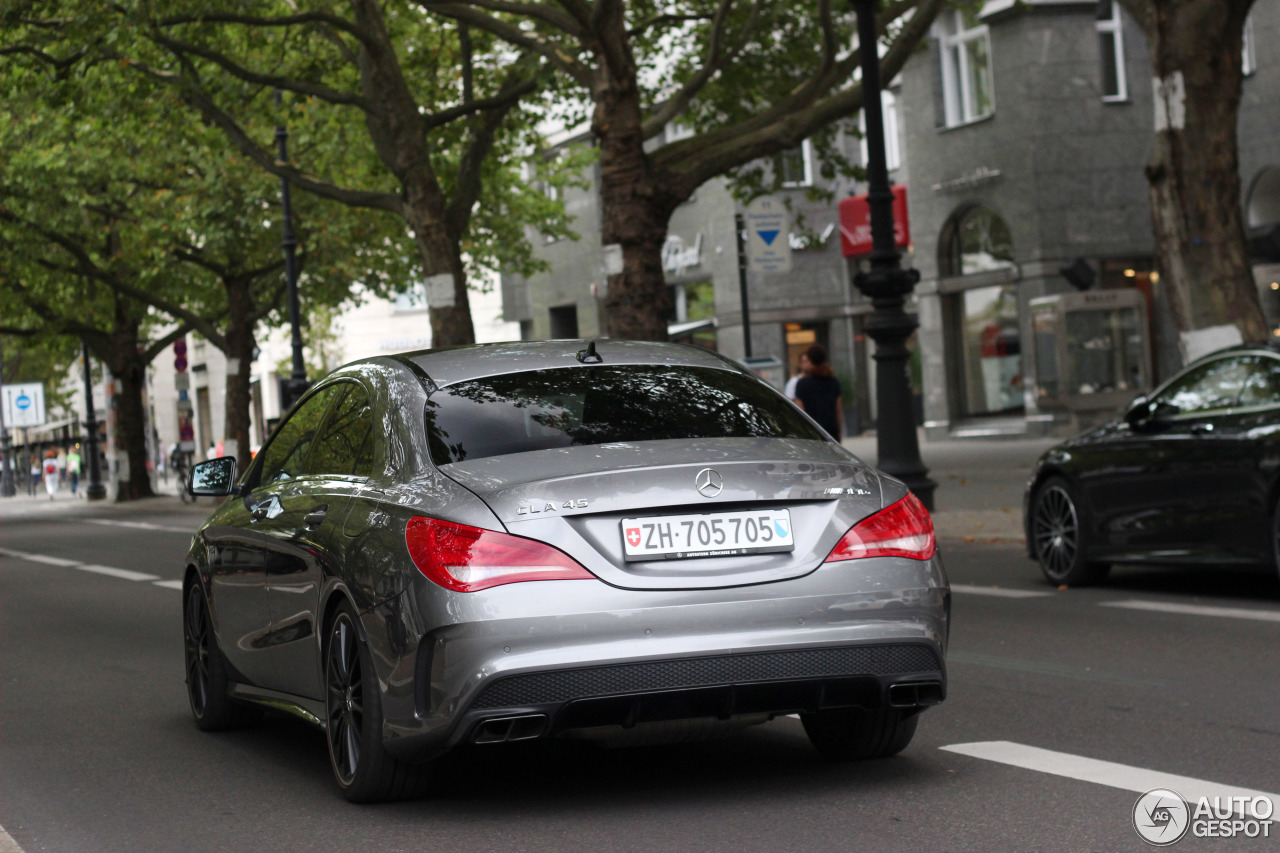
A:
x,y
212,708
853,734
1058,525
365,771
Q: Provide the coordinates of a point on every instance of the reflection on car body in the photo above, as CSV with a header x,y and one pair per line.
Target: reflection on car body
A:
x,y
433,550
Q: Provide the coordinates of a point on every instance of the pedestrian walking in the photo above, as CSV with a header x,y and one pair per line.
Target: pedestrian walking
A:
x,y
801,364
62,463
35,475
73,470
51,472
818,393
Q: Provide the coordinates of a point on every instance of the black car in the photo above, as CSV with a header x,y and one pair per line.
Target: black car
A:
x,y
1187,476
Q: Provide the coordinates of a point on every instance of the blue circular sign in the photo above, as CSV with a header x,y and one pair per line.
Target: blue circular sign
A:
x,y
22,401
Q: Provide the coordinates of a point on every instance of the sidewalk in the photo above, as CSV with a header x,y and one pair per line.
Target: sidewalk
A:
x,y
38,504
980,484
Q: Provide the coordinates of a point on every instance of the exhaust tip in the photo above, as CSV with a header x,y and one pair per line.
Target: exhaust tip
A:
x,y
915,694
507,729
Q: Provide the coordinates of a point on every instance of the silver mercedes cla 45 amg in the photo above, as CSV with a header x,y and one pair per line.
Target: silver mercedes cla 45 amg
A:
x,y
512,541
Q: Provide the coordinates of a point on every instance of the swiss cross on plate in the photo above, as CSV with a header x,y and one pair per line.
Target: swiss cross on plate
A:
x,y
633,536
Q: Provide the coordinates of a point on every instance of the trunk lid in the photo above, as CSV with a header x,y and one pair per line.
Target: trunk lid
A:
x,y
575,498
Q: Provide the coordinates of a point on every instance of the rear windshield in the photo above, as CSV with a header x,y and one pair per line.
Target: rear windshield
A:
x,y
543,409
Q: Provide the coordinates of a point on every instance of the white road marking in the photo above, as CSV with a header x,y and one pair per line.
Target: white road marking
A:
x,y
1107,773
7,844
139,525
1196,609
110,571
998,592
126,574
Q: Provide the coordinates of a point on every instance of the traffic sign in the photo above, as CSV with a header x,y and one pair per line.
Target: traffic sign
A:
x,y
180,363
24,404
768,224
180,347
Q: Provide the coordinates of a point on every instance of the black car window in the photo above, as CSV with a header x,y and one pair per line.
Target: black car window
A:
x,y
1213,386
286,454
1262,388
344,445
542,409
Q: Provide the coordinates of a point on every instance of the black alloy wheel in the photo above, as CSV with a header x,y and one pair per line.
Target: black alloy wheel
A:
x,y
364,770
1058,536
212,708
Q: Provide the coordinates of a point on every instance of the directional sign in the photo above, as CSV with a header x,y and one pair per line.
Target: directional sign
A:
x,y
24,405
768,236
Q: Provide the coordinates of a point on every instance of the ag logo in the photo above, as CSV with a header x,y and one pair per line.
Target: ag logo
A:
x,y
1161,817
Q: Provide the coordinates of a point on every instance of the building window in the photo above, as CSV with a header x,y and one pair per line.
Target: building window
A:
x,y
796,165
1111,47
892,148
564,322
986,331
1248,56
975,240
968,92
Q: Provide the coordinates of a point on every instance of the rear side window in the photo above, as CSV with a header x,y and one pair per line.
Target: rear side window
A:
x,y
344,446
543,409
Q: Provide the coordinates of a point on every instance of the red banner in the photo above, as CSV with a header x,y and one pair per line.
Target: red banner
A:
x,y
855,223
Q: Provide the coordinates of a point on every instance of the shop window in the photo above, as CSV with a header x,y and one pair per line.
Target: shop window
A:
x,y
1111,47
975,240
968,92
990,350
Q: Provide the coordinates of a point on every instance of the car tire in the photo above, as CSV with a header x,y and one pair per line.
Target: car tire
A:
x,y
211,704
858,734
362,767
1057,529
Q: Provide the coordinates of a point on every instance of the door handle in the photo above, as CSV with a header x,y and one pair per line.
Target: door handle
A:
x,y
1201,429
314,518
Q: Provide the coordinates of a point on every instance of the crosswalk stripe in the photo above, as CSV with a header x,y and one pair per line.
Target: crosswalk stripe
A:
x,y
39,558
126,574
998,592
1109,773
169,584
1196,609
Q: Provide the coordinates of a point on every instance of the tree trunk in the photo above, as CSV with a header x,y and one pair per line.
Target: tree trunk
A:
x,y
130,371
634,211
446,278
239,352
1194,174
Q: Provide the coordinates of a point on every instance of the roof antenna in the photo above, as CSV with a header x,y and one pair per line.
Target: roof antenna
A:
x,y
589,355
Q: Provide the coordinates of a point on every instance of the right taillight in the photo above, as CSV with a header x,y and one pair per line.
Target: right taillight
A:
x,y
902,529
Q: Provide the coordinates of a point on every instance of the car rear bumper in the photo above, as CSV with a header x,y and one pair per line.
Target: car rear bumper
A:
x,y
537,659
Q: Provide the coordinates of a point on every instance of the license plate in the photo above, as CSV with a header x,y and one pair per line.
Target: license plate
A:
x,y
716,534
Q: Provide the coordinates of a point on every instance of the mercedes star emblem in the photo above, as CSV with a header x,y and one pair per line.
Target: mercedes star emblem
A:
x,y
708,483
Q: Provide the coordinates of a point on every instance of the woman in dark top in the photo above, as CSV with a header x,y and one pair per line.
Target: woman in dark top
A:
x,y
818,393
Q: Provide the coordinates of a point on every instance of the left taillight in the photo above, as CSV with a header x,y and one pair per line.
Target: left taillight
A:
x,y
467,559
902,529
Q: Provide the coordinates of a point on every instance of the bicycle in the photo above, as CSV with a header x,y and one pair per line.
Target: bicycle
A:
x,y
183,472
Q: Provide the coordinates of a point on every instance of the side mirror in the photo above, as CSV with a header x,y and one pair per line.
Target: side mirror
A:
x,y
1138,410
214,478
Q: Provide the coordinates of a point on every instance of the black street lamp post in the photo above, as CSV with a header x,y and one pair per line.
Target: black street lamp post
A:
x,y
298,378
95,491
887,284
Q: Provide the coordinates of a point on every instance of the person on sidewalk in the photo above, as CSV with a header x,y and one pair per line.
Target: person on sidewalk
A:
x,y
802,365
73,470
818,393
51,472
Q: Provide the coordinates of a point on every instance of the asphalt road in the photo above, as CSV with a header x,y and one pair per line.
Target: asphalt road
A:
x,y
98,751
